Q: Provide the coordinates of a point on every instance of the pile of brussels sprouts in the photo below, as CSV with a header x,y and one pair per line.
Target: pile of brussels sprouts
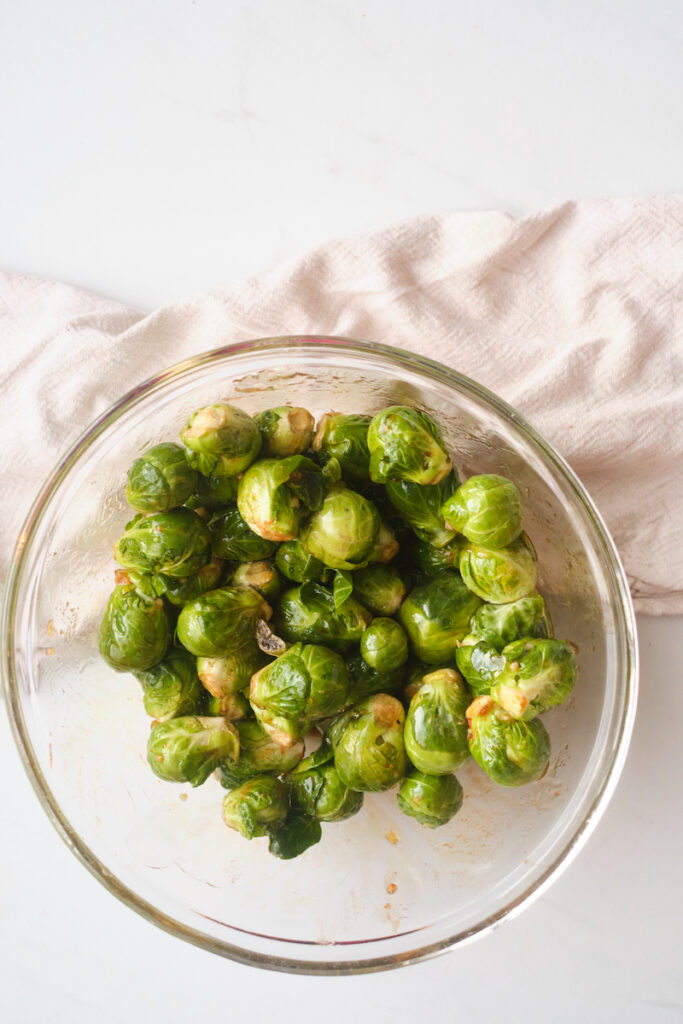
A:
x,y
280,581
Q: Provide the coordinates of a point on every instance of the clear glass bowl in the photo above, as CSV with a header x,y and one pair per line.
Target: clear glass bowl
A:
x,y
163,849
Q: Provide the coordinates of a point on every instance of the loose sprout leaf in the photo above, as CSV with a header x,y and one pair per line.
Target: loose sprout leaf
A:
x,y
342,588
297,833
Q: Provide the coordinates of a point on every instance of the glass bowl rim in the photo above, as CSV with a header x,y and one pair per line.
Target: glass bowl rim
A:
x,y
611,562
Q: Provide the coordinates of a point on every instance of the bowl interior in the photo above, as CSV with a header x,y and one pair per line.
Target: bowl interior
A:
x,y
163,847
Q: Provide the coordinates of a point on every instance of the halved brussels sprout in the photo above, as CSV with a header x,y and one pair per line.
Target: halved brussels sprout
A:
x,y
433,561
175,543
234,540
345,438
255,806
183,589
262,576
436,617
160,479
379,588
188,749
308,613
294,836
369,753
538,675
221,621
510,752
273,493
420,507
342,533
365,681
501,624
135,632
487,509
406,444
233,706
221,440
500,576
286,430
432,799
316,789
436,725
172,687
211,492
384,645
480,664
259,755
232,673
296,563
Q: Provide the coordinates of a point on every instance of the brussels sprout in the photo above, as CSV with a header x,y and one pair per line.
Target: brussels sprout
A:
x,y
231,673
306,683
233,706
480,664
307,613
486,509
259,755
285,430
345,438
510,752
420,507
294,836
500,624
365,681
432,799
436,617
273,493
385,546
433,561
213,492
256,805
538,674
135,632
175,543
188,749
369,754
342,533
220,622
233,539
172,687
316,789
295,562
262,576
221,440
501,576
160,479
379,588
181,590
384,645
406,444
436,725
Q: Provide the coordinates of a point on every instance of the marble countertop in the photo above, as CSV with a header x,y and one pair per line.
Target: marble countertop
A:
x,y
154,149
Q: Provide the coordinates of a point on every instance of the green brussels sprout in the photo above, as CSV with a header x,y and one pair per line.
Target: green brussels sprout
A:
x,y
480,664
379,588
538,675
436,725
500,576
211,492
384,645
232,673
171,688
500,624
180,590
486,509
273,493
406,444
385,546
306,683
160,479
510,752
233,539
432,799
307,613
345,438
188,749
135,632
342,533
221,621
294,836
285,430
436,617
316,789
221,440
262,576
259,755
365,681
420,507
233,706
433,561
175,543
369,754
295,562
256,805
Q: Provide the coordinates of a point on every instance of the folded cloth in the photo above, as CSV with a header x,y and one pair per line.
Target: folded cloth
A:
x,y
573,316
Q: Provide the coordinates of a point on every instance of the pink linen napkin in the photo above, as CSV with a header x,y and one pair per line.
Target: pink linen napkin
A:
x,y
572,315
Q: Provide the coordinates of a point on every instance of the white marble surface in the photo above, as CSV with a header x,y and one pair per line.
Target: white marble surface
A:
x,y
156,148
